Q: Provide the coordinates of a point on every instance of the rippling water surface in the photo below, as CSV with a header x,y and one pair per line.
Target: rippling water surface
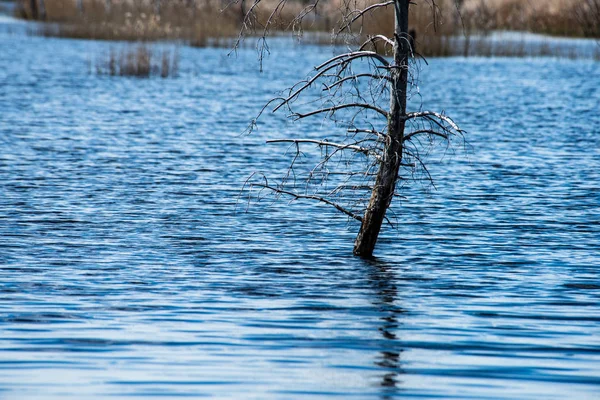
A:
x,y
126,269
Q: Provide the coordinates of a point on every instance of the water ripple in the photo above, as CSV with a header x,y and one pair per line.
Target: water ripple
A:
x,y
129,267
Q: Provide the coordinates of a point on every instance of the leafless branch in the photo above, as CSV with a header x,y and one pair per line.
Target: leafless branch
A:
x,y
354,55
341,146
373,39
341,188
297,21
426,114
355,77
369,131
425,131
356,14
342,61
309,197
333,109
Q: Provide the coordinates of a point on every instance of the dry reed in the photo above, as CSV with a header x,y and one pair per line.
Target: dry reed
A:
x,y
199,22
135,20
139,60
461,28
204,22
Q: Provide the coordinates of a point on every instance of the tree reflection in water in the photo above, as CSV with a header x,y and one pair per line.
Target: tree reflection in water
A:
x,y
382,279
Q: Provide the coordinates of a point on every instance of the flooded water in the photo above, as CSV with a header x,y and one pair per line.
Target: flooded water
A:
x,y
126,269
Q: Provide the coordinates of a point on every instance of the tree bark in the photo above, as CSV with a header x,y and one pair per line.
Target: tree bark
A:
x,y
385,183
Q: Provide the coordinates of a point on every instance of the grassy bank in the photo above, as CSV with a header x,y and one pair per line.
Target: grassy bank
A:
x,y
450,28
135,20
569,18
198,22
460,27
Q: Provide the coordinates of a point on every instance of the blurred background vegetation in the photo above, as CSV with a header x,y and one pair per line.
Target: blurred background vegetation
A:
x,y
443,28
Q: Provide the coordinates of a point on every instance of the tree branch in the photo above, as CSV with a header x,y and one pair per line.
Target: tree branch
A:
x,y
360,13
342,61
425,131
340,146
310,197
354,77
339,107
425,114
353,55
380,136
374,39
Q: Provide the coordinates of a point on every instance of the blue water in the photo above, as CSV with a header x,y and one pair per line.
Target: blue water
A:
x,y
131,267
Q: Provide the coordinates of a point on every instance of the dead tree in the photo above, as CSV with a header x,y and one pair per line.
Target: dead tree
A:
x,y
383,143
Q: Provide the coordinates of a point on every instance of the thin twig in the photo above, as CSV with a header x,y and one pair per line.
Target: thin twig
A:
x,y
309,197
340,107
360,13
422,114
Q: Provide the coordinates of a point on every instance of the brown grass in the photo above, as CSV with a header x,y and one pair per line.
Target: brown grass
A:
x,y
139,60
136,20
203,22
451,30
576,18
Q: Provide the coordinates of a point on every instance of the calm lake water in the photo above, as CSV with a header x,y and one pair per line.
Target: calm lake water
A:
x,y
126,269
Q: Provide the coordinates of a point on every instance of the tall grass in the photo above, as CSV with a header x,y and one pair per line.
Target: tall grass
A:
x,y
461,27
575,18
200,22
436,27
135,20
139,60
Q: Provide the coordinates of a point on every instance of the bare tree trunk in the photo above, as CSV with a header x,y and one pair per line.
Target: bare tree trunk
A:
x,y
385,184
